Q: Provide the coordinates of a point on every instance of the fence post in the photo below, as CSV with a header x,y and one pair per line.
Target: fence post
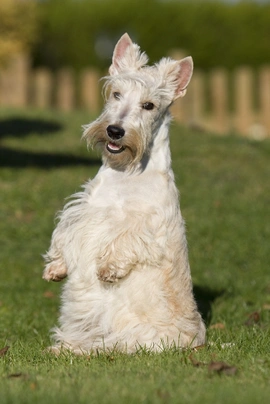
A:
x,y
264,94
197,99
179,107
90,92
219,100
42,88
243,100
65,90
14,82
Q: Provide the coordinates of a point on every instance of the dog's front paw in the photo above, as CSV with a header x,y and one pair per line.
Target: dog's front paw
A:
x,y
54,272
111,274
107,275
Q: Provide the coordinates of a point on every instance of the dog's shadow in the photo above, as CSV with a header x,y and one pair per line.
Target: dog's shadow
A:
x,y
205,297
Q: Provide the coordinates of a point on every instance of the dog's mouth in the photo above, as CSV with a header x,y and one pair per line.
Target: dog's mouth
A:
x,y
114,148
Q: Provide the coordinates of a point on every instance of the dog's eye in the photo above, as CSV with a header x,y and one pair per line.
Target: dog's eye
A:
x,y
148,106
117,95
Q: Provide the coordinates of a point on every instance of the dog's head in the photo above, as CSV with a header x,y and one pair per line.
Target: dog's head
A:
x,y
137,101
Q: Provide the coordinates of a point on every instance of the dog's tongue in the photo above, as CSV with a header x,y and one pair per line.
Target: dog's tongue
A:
x,y
114,146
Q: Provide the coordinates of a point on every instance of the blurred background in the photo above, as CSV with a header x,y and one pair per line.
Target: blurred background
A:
x,y
53,52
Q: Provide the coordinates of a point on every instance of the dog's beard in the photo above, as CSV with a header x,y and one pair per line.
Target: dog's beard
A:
x,y
121,154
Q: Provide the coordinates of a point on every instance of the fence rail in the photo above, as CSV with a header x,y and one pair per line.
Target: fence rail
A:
x,y
218,101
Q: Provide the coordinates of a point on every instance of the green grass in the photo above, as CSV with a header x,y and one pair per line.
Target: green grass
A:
x,y
225,199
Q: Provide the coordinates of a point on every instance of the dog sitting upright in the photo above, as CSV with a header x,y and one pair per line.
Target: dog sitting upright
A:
x,y
121,241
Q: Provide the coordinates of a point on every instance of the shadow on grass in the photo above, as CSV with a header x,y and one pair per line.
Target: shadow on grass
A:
x,y
22,159
205,298
19,127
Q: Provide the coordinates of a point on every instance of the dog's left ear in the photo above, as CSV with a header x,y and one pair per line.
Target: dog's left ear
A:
x,y
126,56
177,75
185,71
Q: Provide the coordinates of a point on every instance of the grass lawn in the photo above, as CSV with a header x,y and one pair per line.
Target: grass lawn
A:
x,y
225,199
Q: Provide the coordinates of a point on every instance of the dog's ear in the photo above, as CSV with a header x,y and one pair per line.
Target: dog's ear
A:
x,y
176,74
185,71
126,56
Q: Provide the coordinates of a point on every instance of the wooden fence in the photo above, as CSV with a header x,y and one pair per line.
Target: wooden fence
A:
x,y
218,101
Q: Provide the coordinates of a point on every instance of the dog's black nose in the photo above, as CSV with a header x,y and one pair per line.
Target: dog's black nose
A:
x,y
115,132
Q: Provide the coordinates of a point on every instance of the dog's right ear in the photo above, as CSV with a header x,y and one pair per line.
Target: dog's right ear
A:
x,y
119,53
126,56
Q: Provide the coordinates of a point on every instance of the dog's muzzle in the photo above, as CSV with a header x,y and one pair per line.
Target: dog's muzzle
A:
x,y
115,133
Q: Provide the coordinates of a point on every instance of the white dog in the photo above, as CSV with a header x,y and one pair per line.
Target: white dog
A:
x,y
121,241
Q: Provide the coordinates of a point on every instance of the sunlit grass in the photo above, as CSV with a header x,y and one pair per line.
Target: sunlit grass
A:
x,y
225,199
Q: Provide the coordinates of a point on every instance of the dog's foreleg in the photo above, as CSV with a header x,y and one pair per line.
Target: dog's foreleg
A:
x,y
55,269
113,271
126,252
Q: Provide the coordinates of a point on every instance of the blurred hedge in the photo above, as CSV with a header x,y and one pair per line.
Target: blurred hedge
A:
x,y
18,27
83,32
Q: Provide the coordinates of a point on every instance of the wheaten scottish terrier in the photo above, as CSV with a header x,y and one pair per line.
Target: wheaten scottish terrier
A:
x,y
121,241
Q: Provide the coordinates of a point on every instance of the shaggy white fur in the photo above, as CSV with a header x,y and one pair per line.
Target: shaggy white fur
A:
x,y
121,241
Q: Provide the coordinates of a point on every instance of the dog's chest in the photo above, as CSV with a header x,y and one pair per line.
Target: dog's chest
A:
x,y
113,190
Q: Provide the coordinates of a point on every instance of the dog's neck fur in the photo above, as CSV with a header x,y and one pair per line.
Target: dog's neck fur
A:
x,y
159,158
